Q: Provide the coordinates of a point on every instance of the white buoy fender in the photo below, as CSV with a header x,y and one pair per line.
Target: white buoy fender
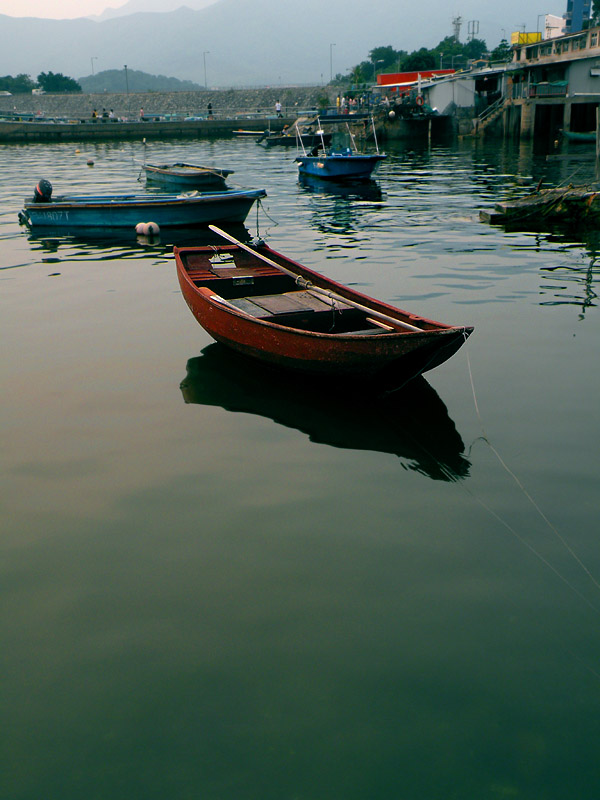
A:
x,y
152,229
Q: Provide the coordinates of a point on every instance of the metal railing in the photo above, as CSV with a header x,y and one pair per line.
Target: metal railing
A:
x,y
491,110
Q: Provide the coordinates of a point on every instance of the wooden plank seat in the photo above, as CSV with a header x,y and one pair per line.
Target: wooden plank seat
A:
x,y
296,302
199,268
303,309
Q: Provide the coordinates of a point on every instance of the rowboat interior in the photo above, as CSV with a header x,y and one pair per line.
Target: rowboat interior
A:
x,y
241,281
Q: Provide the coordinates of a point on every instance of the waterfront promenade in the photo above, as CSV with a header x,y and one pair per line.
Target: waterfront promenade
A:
x,y
211,113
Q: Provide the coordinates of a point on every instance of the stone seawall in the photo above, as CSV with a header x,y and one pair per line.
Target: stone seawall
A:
x,y
225,102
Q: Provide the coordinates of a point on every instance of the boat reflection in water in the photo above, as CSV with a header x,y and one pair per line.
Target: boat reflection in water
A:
x,y
412,423
353,190
101,242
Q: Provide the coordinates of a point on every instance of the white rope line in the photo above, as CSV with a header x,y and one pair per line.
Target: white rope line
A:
x,y
552,527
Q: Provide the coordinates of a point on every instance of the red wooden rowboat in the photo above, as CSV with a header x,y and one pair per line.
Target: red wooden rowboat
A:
x,y
268,306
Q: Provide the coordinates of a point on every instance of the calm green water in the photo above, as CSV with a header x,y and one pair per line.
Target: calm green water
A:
x,y
218,583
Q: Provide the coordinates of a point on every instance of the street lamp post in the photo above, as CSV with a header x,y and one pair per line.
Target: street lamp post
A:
x,y
126,80
379,61
92,59
204,54
331,46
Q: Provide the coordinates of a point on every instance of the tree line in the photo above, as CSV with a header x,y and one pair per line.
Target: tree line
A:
x,y
46,81
448,54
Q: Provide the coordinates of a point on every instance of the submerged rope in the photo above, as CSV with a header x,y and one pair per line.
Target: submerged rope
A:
x,y
535,505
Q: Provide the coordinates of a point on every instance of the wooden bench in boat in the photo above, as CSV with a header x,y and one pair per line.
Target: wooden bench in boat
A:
x,y
303,309
273,299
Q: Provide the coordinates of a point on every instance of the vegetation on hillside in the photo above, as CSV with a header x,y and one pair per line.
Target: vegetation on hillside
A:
x,y
448,54
57,82
46,81
130,80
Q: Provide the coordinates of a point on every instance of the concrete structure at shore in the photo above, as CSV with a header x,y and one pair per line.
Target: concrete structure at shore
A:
x,y
213,113
551,85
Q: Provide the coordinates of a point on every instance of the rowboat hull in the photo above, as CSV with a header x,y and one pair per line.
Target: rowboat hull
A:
x,y
339,166
176,177
125,211
320,337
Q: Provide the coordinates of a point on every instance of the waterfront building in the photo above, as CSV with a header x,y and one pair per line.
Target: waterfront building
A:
x,y
551,85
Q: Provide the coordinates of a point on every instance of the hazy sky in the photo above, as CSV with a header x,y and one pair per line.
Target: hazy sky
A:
x,y
57,9
497,19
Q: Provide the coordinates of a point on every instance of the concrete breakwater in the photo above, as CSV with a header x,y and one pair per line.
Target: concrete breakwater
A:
x,y
226,103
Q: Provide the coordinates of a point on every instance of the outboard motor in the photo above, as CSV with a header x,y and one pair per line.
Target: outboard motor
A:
x,y
42,192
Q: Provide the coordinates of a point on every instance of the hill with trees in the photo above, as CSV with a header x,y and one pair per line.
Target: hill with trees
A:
x,y
132,80
448,54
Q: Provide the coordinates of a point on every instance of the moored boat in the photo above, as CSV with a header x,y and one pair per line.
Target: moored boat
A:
x,y
286,139
127,210
272,308
186,176
339,164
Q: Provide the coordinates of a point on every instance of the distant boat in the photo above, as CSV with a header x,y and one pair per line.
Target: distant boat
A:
x,y
186,176
302,133
291,140
127,210
242,132
269,307
339,164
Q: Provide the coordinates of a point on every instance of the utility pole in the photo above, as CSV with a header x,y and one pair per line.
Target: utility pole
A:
x,y
331,46
204,54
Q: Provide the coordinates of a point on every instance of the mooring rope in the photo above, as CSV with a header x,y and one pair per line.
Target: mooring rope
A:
x,y
535,505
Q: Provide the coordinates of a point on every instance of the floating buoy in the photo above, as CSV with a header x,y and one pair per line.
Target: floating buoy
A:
x,y
151,229
392,115
139,228
90,163
78,150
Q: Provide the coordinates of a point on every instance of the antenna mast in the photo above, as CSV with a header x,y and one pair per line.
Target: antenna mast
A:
x,y
456,23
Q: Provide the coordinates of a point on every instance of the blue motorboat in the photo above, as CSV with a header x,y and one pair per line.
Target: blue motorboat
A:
x,y
190,209
340,164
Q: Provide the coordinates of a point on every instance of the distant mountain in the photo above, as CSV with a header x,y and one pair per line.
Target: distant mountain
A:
x,y
152,6
239,42
113,80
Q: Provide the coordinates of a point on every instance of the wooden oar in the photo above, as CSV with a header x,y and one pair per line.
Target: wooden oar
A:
x,y
311,287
